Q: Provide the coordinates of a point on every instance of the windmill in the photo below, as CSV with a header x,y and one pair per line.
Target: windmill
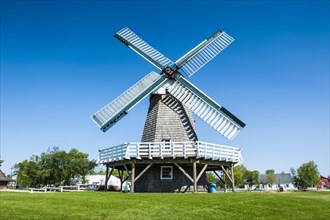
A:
x,y
169,136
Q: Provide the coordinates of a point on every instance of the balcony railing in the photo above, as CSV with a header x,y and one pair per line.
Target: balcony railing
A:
x,y
163,150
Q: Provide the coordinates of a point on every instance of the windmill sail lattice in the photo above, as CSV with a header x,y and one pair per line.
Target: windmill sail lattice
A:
x,y
130,39
118,108
204,107
203,53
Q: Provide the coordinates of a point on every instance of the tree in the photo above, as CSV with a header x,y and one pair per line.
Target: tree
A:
x,y
270,177
252,177
28,172
308,174
239,174
54,167
79,165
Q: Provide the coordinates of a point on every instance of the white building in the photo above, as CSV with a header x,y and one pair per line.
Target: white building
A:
x,y
113,182
283,180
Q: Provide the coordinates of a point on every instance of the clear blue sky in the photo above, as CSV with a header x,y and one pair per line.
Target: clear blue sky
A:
x,y
60,64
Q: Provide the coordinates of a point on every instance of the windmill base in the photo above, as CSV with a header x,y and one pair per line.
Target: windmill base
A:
x,y
170,166
152,179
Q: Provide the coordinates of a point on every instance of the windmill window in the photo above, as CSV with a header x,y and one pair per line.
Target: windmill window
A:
x,y
167,144
166,172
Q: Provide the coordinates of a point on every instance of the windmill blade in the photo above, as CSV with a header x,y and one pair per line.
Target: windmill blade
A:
x,y
195,59
130,39
204,107
118,108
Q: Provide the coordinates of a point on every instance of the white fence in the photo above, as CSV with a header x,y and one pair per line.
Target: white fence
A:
x,y
76,188
161,150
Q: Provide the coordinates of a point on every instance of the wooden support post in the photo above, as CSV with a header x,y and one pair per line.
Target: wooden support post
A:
x,y
128,176
124,180
184,172
128,173
106,178
143,171
232,178
218,176
111,171
225,182
202,171
121,179
195,176
132,177
226,174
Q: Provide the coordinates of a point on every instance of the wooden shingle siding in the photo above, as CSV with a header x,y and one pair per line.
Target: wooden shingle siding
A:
x,y
168,119
151,181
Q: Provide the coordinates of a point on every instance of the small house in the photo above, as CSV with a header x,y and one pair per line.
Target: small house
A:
x,y
3,181
324,183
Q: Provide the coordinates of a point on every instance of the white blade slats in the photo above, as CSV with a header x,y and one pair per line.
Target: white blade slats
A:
x,y
203,53
118,108
130,39
215,120
204,107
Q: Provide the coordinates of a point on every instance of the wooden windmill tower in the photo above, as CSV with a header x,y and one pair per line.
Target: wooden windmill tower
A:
x,y
169,157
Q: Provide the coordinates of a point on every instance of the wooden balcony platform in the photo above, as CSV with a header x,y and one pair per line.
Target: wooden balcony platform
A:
x,y
169,151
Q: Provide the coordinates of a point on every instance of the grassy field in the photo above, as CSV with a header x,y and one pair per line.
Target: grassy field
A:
x,y
112,205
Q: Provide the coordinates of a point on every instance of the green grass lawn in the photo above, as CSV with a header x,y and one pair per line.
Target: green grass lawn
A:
x,y
114,205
